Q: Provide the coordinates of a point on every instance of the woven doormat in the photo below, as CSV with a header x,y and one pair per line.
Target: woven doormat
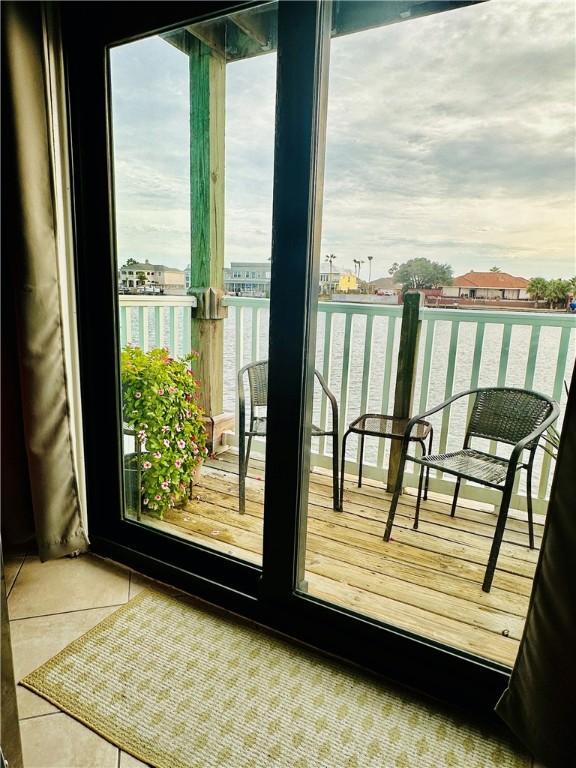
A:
x,y
181,686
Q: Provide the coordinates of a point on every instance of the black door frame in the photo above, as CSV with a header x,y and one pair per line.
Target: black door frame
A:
x,y
267,596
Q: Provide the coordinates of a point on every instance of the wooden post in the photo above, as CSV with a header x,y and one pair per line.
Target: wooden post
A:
x,y
207,98
405,376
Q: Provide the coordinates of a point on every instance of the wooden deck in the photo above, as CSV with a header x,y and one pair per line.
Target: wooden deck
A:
x,y
427,581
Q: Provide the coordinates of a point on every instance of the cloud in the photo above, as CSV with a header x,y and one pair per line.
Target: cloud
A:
x,y
449,136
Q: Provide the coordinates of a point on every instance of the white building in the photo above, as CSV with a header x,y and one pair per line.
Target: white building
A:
x,y
487,285
329,280
247,278
144,277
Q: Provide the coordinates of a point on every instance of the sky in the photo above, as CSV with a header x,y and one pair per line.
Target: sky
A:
x,y
450,137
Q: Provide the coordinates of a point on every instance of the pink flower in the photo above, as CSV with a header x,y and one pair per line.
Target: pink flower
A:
x,y
158,497
141,435
165,428
172,390
160,391
157,455
188,414
146,464
165,485
178,428
178,463
137,395
145,502
166,443
181,444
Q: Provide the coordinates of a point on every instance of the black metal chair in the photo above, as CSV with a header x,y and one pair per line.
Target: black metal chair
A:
x,y
257,374
517,417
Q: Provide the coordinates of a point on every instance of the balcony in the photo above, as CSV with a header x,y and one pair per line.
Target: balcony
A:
x,y
426,581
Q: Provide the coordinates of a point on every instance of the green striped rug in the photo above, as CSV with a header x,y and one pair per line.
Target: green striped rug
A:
x,y
180,686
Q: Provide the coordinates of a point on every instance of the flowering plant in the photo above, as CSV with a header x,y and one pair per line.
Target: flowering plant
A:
x,y
159,403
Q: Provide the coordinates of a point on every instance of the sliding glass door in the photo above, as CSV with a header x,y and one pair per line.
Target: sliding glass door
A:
x,y
429,186
192,126
229,338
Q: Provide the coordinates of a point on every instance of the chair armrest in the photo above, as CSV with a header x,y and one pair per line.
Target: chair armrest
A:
x,y
521,444
327,392
441,406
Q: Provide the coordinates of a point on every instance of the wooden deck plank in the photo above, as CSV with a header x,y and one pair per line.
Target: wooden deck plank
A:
x,y
373,495
426,581
365,535
224,510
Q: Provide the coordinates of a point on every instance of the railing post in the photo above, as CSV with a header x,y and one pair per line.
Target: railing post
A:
x,y
405,375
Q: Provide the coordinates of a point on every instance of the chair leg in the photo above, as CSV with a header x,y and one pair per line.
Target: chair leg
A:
x,y
428,468
395,497
247,459
529,505
417,512
361,461
498,535
241,474
455,498
335,483
341,495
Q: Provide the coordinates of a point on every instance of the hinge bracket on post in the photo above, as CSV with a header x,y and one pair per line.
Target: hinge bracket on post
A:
x,y
209,304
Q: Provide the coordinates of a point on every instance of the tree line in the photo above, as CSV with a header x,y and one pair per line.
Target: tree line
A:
x,y
418,274
555,291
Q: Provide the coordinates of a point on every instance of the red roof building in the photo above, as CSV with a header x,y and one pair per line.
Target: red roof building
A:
x,y
487,285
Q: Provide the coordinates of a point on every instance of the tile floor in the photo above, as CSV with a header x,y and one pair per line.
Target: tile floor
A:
x,y
51,604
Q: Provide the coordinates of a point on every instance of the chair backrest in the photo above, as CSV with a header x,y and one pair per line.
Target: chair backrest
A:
x,y
508,415
258,380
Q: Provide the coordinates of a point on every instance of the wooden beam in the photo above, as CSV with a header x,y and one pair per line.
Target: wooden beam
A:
x,y
212,34
405,376
356,16
207,94
254,33
256,26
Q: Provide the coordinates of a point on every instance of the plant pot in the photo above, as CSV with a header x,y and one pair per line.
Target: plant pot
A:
x,y
132,484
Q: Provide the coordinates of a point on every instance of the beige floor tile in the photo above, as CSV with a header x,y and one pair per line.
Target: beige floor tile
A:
x,y
127,761
68,584
34,641
12,565
58,741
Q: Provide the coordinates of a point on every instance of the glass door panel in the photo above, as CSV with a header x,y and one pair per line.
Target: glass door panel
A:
x,y
192,125
434,134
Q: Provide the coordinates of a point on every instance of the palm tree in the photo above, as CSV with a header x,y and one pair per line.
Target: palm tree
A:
x,y
369,270
537,288
495,269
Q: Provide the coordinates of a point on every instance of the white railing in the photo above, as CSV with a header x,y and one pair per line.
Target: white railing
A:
x,y
357,350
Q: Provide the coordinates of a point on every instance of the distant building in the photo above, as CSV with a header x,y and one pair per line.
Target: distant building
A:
x,y
247,278
347,282
384,286
329,280
487,285
144,277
